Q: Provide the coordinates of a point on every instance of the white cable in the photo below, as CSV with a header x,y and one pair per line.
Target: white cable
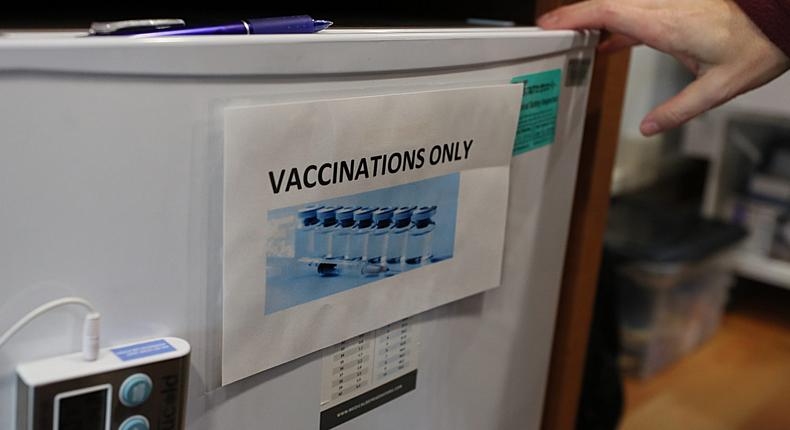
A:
x,y
90,336
90,331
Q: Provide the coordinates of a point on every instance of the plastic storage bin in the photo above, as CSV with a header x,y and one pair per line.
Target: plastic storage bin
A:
x,y
666,311
672,281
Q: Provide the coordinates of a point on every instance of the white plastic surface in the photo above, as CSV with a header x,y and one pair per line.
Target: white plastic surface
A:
x,y
321,53
110,158
72,366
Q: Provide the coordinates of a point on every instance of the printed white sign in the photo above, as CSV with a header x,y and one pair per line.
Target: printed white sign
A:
x,y
342,216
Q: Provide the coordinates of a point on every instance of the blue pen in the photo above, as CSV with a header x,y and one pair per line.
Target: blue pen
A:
x,y
276,25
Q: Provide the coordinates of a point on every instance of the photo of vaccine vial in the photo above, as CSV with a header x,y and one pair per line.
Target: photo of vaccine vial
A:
x,y
324,247
377,241
341,237
358,241
396,239
304,234
420,240
323,232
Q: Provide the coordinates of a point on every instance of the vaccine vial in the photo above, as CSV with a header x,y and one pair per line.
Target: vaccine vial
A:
x,y
377,239
341,237
323,230
419,245
358,241
304,234
396,238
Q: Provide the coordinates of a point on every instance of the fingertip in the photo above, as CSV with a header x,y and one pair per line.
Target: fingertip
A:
x,y
649,127
699,96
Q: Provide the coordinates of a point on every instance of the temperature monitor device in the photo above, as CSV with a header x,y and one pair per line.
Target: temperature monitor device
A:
x,y
139,386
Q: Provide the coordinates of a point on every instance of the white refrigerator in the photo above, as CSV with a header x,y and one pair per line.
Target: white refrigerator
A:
x,y
113,188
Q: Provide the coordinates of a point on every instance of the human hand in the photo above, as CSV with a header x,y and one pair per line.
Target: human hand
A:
x,y
713,38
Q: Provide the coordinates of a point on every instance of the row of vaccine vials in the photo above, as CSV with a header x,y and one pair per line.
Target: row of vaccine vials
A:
x,y
383,236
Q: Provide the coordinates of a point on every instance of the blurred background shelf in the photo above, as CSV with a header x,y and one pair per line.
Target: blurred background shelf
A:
x,y
763,269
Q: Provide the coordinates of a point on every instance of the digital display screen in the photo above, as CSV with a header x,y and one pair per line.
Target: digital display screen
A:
x,y
86,411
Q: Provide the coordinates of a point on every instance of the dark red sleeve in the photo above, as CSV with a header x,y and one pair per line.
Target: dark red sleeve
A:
x,y
773,18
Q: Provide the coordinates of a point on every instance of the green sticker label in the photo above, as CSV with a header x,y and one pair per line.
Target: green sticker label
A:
x,y
537,121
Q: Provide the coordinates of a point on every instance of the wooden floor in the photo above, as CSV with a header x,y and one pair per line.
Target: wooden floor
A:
x,y
739,380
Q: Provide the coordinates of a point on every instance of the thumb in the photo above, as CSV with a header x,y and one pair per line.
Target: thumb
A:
x,y
704,93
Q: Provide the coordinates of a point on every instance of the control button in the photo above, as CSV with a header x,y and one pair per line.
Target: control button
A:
x,y
135,422
135,390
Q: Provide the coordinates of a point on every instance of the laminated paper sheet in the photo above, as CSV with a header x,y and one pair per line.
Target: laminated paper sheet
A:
x,y
342,216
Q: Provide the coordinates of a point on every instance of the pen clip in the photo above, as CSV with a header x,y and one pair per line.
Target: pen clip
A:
x,y
119,27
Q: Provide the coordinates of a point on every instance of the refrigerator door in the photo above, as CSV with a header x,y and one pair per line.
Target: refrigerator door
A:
x,y
111,189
